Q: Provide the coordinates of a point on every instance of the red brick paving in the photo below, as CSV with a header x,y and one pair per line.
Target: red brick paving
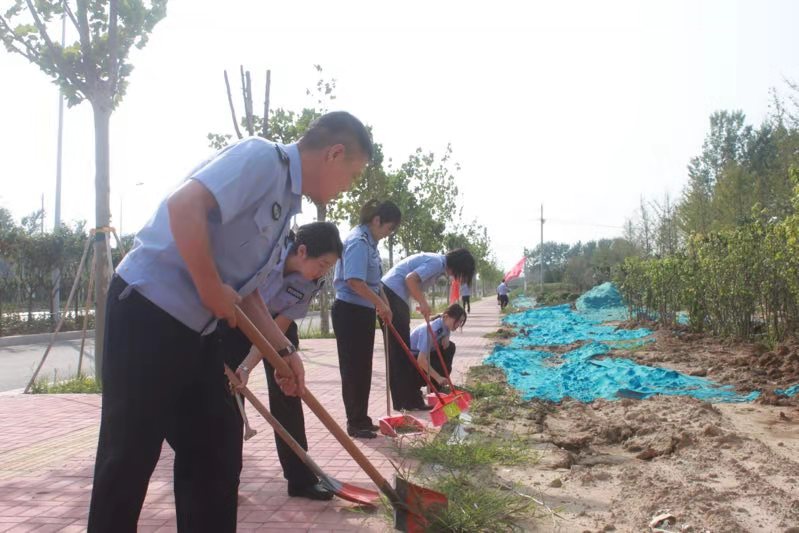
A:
x,y
48,444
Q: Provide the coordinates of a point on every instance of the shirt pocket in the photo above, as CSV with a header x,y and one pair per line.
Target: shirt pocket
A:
x,y
265,224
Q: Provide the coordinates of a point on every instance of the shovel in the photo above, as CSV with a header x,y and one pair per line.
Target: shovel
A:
x,y
343,490
411,503
389,424
443,410
461,397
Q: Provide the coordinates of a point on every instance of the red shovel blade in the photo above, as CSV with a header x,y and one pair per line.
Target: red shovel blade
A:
x,y
350,492
419,504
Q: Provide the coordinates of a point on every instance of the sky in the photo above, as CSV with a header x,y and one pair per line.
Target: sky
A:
x,y
584,107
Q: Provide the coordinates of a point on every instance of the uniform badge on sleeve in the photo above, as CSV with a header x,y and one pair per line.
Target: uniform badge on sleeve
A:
x,y
276,210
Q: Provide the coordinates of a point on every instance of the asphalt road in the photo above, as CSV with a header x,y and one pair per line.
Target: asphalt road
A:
x,y
17,363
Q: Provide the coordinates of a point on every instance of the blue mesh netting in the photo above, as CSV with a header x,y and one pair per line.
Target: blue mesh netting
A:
x,y
559,325
549,376
577,374
790,391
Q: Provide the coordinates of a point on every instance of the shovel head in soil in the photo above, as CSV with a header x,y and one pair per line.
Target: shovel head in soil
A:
x,y
393,426
419,504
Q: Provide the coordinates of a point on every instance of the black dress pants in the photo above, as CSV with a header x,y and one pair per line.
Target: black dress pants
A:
x,y
448,355
163,381
354,326
405,393
235,346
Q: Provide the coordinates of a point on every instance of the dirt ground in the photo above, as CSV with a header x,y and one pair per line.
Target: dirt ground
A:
x,y
616,465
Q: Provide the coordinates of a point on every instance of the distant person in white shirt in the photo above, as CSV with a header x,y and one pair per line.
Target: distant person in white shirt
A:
x,y
502,294
466,295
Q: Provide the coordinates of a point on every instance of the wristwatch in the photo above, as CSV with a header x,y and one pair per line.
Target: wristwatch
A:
x,y
244,367
288,350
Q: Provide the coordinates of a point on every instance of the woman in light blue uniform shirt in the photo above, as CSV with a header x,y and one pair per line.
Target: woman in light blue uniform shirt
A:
x,y
358,301
424,347
288,291
410,278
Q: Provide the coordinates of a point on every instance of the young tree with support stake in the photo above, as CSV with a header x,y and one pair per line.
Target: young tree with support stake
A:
x,y
95,69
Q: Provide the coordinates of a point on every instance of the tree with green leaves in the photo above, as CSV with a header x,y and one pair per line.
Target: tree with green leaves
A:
x,y
95,68
725,144
425,190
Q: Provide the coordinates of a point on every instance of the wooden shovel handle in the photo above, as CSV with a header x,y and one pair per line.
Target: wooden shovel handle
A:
x,y
277,362
277,426
414,362
434,340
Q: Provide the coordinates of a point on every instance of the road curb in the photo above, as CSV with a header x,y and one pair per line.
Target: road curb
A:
x,y
36,338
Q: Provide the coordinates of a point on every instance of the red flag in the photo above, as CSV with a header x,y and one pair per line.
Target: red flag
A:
x,y
455,292
516,271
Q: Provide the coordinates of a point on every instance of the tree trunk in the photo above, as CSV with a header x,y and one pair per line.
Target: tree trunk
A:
x,y
324,314
102,118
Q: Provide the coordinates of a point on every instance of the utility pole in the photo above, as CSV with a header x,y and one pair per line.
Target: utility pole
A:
x,y
59,151
541,259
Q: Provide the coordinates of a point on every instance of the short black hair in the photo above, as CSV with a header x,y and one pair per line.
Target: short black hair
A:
x,y
338,127
388,211
319,238
461,262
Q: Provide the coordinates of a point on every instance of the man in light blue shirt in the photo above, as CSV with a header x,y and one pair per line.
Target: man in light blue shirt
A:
x,y
206,250
502,294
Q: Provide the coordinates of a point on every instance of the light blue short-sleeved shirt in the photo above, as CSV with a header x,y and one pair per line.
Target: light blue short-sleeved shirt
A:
x,y
360,260
428,266
502,289
465,289
420,337
257,185
289,295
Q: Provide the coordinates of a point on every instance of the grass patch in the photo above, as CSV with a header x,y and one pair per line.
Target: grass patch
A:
x,y
478,450
485,390
474,506
77,385
504,406
501,333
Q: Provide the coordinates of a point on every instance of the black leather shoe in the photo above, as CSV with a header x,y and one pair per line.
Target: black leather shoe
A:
x,y
419,407
312,492
359,433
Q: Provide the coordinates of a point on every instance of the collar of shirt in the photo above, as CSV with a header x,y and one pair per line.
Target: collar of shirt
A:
x,y
295,166
369,238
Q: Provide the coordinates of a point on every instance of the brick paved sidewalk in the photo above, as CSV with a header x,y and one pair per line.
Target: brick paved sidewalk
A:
x,y
47,446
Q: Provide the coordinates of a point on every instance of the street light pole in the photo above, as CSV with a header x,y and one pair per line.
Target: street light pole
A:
x,y
59,151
